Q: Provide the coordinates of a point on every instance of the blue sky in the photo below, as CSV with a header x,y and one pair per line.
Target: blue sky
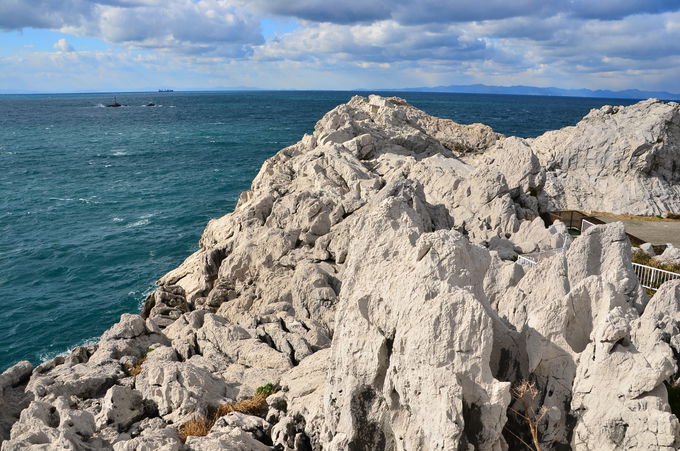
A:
x,y
110,45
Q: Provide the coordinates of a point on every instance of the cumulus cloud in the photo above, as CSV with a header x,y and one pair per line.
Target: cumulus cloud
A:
x,y
63,46
437,11
188,26
389,42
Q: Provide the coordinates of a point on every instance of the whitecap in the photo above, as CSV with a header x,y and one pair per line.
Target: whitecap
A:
x,y
141,222
117,219
119,153
49,355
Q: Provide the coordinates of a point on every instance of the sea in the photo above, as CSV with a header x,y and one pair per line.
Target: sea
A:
x,y
97,203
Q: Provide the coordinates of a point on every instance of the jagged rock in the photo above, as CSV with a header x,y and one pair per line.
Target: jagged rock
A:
x,y
54,426
180,390
576,311
121,407
412,369
670,256
225,437
13,398
150,435
301,397
648,248
616,159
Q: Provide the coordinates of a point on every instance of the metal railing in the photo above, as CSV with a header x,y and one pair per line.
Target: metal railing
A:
x,y
652,278
585,225
535,257
525,261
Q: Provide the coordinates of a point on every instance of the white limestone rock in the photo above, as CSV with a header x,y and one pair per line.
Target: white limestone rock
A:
x,y
121,407
616,159
410,356
670,256
180,390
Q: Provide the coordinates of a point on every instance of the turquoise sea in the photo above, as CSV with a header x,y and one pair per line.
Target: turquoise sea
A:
x,y
96,203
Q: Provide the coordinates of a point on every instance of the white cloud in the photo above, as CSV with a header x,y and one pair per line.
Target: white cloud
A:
x,y
63,46
389,43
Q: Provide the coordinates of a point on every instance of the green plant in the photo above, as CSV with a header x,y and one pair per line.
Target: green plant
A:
x,y
266,390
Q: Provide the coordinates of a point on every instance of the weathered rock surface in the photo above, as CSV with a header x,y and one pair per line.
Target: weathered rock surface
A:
x,y
369,272
617,159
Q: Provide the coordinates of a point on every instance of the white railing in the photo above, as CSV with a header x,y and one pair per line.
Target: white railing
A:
x,y
535,257
525,261
652,278
585,225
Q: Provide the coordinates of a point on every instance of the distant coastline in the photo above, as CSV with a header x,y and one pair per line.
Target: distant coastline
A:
x,y
520,90
549,91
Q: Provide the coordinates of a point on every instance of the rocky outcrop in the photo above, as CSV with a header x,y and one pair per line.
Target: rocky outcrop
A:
x,y
369,273
617,159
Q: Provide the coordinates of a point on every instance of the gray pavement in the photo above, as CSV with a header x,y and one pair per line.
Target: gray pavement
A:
x,y
655,232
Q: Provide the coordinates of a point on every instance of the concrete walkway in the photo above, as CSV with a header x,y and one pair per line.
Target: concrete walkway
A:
x,y
655,232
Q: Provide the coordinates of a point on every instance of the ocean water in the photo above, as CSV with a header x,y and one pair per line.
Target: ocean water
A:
x,y
97,203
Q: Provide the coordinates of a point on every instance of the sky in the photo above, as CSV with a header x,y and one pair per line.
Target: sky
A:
x,y
129,45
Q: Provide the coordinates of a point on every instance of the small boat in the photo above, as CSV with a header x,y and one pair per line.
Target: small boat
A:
x,y
150,104
115,104
166,90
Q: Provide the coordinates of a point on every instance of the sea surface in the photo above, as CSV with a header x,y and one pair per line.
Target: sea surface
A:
x,y
97,203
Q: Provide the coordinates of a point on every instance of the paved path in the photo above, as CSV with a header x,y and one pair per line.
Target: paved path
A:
x,y
655,232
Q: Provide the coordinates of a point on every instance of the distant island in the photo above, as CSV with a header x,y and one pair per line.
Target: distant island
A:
x,y
550,91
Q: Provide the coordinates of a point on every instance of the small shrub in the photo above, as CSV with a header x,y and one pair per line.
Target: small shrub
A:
x,y
669,215
526,394
266,390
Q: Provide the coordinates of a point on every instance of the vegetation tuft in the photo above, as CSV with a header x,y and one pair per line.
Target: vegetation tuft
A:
x,y
135,370
257,406
526,394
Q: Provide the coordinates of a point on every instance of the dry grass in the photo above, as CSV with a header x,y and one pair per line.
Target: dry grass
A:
x,y
257,406
198,427
135,370
526,393
670,217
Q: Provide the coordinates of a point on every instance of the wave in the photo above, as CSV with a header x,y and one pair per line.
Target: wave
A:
x,y
140,223
49,355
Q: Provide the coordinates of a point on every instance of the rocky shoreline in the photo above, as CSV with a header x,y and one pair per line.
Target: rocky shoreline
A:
x,y
364,295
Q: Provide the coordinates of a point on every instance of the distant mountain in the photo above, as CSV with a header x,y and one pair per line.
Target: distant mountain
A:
x,y
536,91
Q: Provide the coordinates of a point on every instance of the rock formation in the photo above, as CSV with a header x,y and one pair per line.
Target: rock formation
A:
x,y
369,273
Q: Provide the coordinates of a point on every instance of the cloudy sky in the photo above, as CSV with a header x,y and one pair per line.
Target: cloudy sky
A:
x,y
103,45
